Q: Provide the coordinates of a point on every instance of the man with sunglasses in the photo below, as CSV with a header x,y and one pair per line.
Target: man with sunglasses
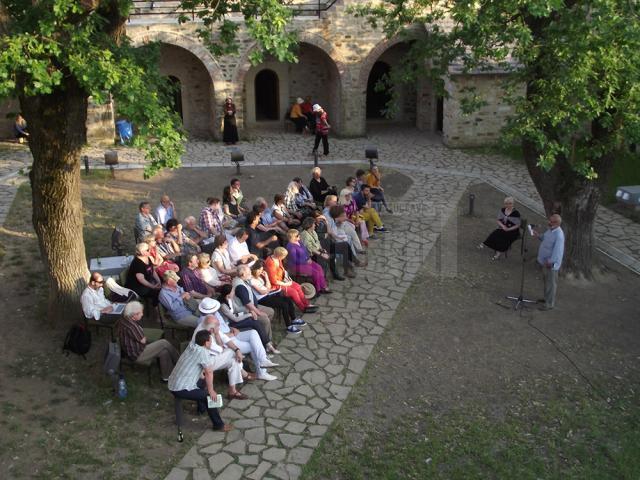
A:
x,y
94,303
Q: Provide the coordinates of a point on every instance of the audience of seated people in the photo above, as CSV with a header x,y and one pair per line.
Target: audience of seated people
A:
x,y
238,256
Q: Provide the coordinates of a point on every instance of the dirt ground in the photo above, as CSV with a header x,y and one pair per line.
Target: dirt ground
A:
x,y
59,418
457,349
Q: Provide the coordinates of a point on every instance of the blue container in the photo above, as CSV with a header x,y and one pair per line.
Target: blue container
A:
x,y
125,130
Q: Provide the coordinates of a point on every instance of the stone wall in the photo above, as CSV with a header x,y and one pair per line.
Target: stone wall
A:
x,y
199,114
336,56
483,126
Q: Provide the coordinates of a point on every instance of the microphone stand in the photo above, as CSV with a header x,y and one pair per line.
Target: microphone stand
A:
x,y
520,301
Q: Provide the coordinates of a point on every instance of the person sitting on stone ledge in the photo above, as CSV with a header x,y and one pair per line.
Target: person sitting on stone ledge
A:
x,y
144,221
135,345
180,305
176,233
239,250
248,341
192,378
298,118
166,210
226,355
95,305
280,211
20,132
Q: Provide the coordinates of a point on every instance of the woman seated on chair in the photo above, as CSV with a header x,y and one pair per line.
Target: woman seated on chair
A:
x,y
210,275
508,230
141,276
220,259
299,262
273,298
279,278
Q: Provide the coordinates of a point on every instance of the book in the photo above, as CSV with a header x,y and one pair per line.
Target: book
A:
x,y
216,404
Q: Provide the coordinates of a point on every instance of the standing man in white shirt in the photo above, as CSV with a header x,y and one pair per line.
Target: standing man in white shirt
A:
x,y
94,304
550,254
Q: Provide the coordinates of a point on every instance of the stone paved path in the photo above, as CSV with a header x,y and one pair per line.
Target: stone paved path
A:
x,y
283,421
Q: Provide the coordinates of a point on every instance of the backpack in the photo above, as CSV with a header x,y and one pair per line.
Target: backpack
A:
x,y
78,340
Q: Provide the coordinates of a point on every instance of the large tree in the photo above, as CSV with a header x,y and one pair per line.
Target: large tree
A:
x,y
54,56
574,81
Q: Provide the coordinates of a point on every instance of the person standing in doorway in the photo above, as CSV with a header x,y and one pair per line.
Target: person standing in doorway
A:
x,y
550,256
230,131
322,130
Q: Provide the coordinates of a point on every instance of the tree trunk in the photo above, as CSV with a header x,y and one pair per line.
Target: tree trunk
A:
x,y
576,199
57,127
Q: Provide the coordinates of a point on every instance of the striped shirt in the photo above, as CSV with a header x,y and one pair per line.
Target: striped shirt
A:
x,y
130,334
188,370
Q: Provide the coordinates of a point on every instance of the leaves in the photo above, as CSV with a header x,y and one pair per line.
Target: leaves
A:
x,y
579,62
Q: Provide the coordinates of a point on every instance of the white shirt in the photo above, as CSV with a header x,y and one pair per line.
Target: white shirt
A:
x,y
214,349
93,301
210,276
237,250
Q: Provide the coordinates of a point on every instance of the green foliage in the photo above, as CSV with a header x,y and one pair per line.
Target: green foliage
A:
x,y
45,43
267,22
579,62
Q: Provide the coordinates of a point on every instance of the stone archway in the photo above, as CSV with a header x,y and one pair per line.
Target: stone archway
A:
x,y
417,105
328,69
202,82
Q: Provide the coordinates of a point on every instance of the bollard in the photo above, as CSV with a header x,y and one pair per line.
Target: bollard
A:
x,y
316,155
85,159
472,200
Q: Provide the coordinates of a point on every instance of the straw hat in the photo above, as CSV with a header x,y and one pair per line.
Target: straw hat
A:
x,y
308,290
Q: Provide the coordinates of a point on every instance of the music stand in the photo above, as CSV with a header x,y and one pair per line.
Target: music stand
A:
x,y
520,301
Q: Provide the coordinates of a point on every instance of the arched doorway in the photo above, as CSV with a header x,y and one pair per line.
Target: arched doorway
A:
x,y
176,95
377,100
267,95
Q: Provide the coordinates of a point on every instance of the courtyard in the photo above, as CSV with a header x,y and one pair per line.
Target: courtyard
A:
x,y
416,368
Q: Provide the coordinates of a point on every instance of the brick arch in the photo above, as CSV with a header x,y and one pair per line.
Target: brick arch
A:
x,y
372,57
142,37
303,37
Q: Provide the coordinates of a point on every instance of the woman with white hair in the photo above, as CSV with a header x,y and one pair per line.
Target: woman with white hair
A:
x,y
318,186
508,230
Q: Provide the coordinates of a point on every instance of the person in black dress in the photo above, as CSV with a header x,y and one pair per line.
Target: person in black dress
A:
x,y
230,131
508,230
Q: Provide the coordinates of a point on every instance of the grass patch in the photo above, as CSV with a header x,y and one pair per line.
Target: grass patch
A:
x,y
567,438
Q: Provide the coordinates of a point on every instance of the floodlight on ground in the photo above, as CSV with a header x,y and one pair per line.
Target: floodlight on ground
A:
x,y
236,157
629,195
371,153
